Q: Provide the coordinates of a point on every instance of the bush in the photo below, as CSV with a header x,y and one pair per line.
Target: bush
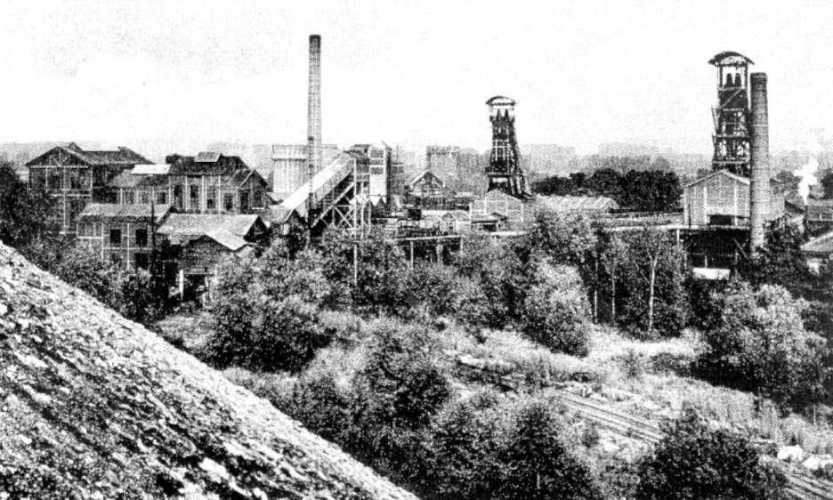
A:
x,y
555,310
760,345
266,312
499,273
693,461
535,464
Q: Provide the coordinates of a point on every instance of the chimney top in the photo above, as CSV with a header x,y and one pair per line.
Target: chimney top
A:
x,y
758,77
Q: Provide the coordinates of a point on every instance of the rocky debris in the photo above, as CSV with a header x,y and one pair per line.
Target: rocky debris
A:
x,y
815,463
95,406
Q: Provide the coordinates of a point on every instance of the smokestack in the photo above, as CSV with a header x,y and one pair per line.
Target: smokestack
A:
x,y
314,106
759,162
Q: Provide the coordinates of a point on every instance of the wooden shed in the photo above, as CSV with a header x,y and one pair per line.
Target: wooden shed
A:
x,y
721,198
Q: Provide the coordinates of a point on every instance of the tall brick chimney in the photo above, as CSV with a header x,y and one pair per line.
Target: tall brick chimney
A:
x,y
759,162
314,106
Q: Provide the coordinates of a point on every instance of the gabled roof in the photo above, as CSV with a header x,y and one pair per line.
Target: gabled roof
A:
x,y
119,157
132,211
422,175
726,173
182,228
228,239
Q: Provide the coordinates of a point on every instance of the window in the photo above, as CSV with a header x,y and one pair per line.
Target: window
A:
x,y
55,178
228,202
162,197
74,178
194,197
178,196
244,200
129,197
144,197
141,260
37,178
141,237
211,199
115,237
258,203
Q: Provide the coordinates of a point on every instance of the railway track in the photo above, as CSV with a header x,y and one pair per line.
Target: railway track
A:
x,y
798,485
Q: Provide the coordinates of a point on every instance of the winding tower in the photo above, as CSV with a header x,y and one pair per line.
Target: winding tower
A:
x,y
504,170
731,129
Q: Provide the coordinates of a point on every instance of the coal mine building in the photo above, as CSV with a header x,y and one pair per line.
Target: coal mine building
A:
x,y
203,241
123,234
721,198
213,183
74,177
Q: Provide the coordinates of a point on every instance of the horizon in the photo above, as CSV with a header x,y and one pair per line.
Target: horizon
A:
x,y
125,73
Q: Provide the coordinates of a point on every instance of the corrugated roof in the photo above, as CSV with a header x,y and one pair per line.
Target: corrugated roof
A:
x,y
577,203
228,239
116,211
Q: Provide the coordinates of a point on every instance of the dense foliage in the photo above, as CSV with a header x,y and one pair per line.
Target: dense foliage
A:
x,y
758,343
24,212
266,310
645,187
694,461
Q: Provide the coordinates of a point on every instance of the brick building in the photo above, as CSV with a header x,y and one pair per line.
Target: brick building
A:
x,y
209,183
75,177
124,234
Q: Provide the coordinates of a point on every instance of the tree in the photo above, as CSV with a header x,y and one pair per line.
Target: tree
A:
x,y
23,212
693,461
265,314
564,238
535,463
760,345
612,254
654,298
555,311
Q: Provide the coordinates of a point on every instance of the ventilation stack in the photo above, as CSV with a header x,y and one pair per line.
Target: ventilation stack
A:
x,y
759,163
314,154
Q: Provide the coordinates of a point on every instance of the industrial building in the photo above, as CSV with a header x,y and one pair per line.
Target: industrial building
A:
x,y
74,177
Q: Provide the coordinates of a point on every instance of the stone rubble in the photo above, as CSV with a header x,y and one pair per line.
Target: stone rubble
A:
x,y
95,406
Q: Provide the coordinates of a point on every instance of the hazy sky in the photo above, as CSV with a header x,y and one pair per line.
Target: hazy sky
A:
x,y
418,72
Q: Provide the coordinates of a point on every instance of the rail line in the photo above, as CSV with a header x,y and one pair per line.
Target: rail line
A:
x,y
798,485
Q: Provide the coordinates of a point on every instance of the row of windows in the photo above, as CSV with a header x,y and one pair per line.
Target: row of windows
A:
x,y
114,238
60,178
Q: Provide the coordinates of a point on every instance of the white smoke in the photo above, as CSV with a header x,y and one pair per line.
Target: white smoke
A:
x,y
808,176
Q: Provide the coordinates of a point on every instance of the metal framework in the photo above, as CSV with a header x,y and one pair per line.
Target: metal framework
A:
x,y
504,170
731,137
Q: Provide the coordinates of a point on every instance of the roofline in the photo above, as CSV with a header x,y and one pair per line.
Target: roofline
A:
x,y
717,172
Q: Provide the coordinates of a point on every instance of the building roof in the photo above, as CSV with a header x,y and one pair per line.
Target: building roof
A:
x,y
725,173
424,174
500,100
132,211
122,156
131,179
226,229
820,245
577,203
730,58
154,169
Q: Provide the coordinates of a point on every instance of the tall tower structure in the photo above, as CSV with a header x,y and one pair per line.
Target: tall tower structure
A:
x,y
759,181
731,136
314,151
504,170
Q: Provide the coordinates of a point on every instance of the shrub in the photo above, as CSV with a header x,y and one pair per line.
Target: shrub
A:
x,y
555,310
760,345
535,464
693,461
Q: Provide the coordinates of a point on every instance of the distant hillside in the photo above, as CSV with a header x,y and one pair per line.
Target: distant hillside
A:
x,y
95,406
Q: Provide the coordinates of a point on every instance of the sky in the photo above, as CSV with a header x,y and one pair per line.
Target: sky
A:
x,y
406,72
